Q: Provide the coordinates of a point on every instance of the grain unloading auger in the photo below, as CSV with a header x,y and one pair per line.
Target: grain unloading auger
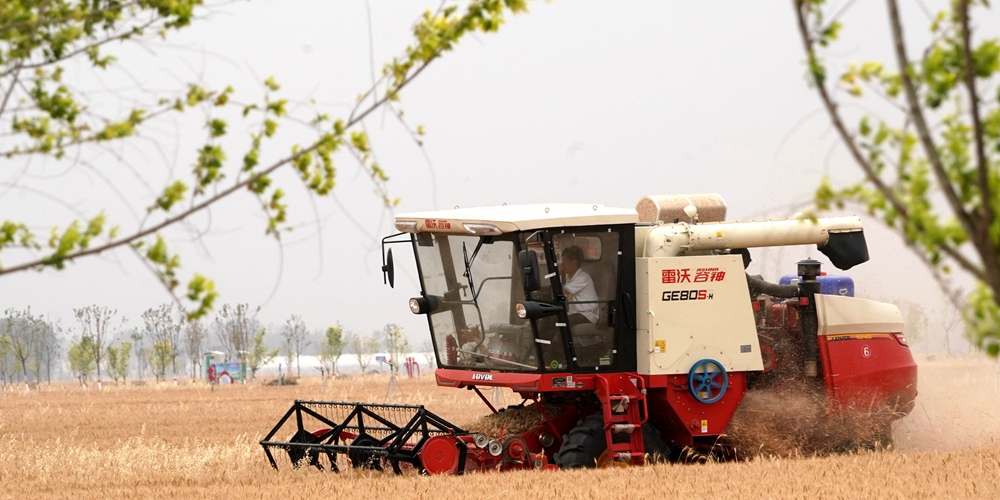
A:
x,y
630,335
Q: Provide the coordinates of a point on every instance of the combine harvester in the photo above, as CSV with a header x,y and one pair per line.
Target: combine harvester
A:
x,y
633,334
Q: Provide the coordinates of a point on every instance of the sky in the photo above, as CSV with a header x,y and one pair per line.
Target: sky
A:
x,y
575,101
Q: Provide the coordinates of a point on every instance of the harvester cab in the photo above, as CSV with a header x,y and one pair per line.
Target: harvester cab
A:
x,y
634,334
497,301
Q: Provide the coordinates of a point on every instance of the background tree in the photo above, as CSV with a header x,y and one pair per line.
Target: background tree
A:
x,y
295,334
235,327
47,347
81,358
396,344
916,323
932,167
118,360
159,359
428,353
333,347
96,324
194,342
23,330
259,354
163,327
364,347
139,347
46,117
6,359
950,320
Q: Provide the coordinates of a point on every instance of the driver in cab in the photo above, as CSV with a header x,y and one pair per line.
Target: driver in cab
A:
x,y
578,286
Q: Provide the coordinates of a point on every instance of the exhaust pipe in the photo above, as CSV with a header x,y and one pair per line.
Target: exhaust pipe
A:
x,y
808,289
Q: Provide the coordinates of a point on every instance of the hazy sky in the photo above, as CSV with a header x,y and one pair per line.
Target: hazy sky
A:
x,y
576,101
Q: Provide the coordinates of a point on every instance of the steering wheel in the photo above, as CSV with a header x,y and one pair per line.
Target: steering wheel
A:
x,y
708,380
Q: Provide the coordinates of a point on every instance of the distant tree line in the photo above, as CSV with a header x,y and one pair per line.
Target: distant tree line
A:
x,y
165,343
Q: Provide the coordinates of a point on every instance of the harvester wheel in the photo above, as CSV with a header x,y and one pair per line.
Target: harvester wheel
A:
x,y
298,455
584,445
363,459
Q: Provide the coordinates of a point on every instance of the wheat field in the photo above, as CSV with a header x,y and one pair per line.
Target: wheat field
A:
x,y
191,440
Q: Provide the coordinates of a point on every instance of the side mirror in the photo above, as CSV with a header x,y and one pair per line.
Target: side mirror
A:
x,y
528,261
388,270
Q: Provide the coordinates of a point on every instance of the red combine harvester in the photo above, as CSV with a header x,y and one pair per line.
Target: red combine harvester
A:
x,y
633,334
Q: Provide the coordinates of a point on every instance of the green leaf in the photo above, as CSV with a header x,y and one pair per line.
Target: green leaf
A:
x,y
217,127
201,291
171,195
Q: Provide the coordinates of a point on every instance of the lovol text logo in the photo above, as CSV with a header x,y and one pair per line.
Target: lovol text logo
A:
x,y
482,376
677,295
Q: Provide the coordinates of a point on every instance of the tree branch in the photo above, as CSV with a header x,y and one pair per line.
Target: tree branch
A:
x,y
74,53
218,196
982,167
55,20
923,131
13,83
838,123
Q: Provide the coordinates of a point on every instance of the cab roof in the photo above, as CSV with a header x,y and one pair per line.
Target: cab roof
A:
x,y
512,218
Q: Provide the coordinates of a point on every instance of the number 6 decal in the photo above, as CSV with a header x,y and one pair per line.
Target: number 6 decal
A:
x,y
866,351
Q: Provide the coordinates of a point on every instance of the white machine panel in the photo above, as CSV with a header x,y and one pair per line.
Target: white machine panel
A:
x,y
693,308
838,314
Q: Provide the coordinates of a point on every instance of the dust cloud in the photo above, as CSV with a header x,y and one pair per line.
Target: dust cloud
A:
x,y
957,408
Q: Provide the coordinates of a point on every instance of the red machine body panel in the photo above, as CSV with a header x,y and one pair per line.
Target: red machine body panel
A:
x,y
868,372
681,418
669,404
521,382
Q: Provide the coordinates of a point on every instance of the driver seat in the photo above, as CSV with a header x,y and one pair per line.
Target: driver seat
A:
x,y
595,340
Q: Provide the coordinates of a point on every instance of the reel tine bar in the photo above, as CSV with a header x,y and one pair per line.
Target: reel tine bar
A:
x,y
386,432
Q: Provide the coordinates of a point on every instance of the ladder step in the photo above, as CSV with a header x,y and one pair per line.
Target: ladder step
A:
x,y
622,404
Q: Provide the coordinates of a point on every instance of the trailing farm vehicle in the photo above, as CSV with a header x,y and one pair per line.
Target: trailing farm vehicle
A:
x,y
631,335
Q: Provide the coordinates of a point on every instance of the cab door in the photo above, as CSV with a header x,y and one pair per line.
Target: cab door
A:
x,y
596,329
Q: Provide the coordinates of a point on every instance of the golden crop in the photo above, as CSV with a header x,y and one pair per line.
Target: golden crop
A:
x,y
190,441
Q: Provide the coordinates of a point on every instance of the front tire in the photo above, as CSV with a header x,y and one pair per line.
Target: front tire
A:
x,y
585,445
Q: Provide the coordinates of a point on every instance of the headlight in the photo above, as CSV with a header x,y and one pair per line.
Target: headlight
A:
x,y
481,229
521,311
425,304
406,226
530,309
416,306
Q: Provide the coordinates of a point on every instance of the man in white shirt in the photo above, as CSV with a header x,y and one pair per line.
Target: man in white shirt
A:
x,y
578,287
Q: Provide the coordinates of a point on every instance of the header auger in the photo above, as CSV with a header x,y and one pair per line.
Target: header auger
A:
x,y
630,338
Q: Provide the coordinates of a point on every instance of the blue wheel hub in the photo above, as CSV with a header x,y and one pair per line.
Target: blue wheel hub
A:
x,y
708,380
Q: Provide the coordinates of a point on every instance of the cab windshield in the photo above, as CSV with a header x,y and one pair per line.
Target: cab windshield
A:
x,y
473,283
